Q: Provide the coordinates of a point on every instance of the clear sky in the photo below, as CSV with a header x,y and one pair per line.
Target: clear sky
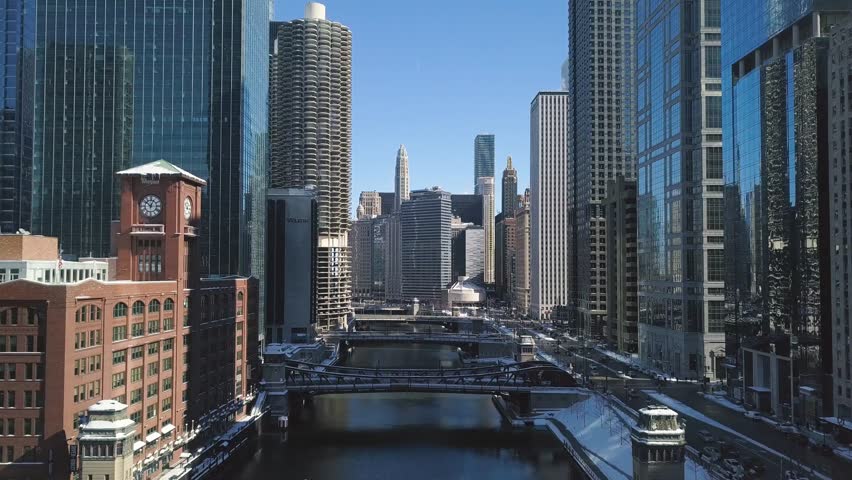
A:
x,y
432,74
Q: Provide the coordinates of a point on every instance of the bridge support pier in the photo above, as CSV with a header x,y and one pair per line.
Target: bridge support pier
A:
x,y
522,402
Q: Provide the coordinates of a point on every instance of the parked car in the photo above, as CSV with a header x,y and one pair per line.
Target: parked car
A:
x,y
787,427
705,435
752,414
711,454
733,465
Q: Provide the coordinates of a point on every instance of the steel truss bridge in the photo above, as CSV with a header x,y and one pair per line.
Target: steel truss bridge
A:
x,y
412,337
514,378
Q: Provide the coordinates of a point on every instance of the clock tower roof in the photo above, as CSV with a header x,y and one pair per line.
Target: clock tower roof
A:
x,y
162,168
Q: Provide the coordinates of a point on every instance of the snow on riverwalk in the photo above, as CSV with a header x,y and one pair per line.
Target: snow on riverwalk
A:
x,y
688,411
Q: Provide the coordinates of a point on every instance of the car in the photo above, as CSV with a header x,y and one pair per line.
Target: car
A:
x,y
705,435
711,453
733,465
752,415
787,427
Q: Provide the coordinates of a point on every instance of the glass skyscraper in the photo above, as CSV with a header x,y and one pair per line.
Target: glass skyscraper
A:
x,y
483,157
679,186
775,152
114,84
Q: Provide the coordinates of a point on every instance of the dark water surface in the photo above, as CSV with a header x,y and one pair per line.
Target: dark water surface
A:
x,y
407,436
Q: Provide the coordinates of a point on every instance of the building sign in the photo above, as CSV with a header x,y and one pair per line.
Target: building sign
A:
x,y
72,458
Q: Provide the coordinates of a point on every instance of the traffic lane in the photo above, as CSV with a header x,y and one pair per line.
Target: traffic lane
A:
x,y
763,433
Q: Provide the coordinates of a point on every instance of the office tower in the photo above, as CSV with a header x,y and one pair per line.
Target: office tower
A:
x,y
401,187
504,252
311,140
361,244
621,265
485,188
499,254
680,199
388,202
393,258
468,250
124,339
380,237
99,88
840,156
16,105
600,81
468,207
426,241
369,205
510,189
550,177
291,245
521,280
777,199
483,157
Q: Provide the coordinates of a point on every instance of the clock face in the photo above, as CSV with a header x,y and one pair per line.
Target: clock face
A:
x,y
150,206
187,208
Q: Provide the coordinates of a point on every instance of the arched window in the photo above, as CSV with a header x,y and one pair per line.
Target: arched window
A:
x,y
168,305
154,306
119,310
240,297
138,307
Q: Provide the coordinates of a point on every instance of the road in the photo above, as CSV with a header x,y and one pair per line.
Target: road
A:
x,y
605,375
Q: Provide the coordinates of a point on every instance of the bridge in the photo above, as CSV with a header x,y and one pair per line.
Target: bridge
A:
x,y
418,319
417,337
515,378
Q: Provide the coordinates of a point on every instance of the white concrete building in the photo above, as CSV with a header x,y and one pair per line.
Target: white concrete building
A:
x,y
40,266
550,175
485,187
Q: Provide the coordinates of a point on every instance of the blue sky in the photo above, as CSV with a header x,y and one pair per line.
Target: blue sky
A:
x,y
432,74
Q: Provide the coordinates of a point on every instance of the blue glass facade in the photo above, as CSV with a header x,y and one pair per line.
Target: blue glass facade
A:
x,y
483,157
774,69
116,84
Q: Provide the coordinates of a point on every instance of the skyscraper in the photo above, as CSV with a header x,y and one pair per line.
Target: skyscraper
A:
x,y
776,159
483,157
311,137
521,256
401,187
468,250
622,328
679,190
361,244
600,81
841,211
468,207
369,205
485,188
425,223
117,85
550,177
510,189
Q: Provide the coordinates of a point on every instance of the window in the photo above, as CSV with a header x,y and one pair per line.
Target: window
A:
x,y
167,364
135,374
714,163
119,333
151,412
716,316
168,324
136,352
152,389
119,357
167,404
138,308
28,426
715,265
153,368
712,13
167,384
153,348
713,112
136,396
715,214
118,380
713,61
28,399
153,326
154,306
136,416
168,305
119,310
138,329
168,344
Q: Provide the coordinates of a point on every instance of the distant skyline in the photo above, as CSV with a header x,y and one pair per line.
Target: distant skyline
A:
x,y
434,75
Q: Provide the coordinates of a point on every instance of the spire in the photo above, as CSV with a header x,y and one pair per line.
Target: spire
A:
x,y
509,162
401,186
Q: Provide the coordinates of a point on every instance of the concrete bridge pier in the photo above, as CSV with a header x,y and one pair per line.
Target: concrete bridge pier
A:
x,y
522,402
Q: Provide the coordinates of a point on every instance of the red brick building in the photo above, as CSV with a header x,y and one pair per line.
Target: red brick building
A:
x,y
170,345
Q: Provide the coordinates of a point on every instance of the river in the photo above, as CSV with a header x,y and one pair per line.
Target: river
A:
x,y
409,436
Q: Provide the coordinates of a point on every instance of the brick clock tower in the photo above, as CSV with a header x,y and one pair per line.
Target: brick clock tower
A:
x,y
160,211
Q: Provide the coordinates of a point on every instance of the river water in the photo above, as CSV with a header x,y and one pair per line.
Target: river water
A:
x,y
409,436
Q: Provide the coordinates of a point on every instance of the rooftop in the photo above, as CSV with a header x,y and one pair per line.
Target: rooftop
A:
x,y
162,168
106,406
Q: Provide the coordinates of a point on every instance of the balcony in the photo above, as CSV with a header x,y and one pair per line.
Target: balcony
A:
x,y
147,229
192,231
